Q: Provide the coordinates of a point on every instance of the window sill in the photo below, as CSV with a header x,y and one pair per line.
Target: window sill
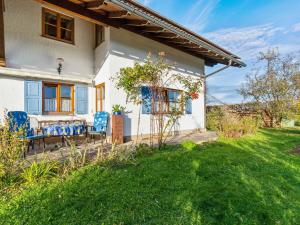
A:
x,y
58,114
57,39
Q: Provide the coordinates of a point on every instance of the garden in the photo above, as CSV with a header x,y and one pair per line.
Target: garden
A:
x,y
251,175
251,180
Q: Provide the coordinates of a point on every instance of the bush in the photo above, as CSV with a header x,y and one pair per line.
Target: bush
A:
x,y
11,149
40,171
231,125
213,117
189,145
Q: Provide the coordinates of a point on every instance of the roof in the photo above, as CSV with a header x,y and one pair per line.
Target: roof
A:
x,y
135,17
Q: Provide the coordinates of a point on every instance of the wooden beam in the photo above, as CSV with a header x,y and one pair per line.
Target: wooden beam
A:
x,y
167,35
153,29
179,42
208,61
2,41
94,4
118,14
137,22
79,11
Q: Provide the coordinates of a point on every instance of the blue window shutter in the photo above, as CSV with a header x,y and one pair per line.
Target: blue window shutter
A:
x,y
146,99
33,97
188,106
81,99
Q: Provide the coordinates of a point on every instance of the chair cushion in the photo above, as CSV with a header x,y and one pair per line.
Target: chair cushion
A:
x,y
64,130
100,121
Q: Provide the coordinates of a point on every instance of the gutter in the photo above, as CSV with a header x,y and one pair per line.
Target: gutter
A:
x,y
153,19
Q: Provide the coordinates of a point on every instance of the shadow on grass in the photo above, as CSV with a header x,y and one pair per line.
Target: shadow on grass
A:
x,y
253,180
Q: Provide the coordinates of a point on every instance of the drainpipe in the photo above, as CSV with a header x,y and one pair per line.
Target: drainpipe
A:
x,y
204,77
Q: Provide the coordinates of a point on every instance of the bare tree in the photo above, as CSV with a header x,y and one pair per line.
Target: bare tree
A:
x,y
273,87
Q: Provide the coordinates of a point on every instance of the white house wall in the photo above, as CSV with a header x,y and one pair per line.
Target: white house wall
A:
x,y
11,94
126,49
27,49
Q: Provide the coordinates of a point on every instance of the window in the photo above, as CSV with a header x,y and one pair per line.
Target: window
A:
x,y
175,100
100,35
58,26
165,100
58,98
100,98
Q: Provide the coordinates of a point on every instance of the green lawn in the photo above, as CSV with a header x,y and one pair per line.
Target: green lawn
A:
x,y
253,180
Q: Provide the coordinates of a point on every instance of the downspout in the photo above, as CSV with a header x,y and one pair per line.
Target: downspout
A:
x,y
204,77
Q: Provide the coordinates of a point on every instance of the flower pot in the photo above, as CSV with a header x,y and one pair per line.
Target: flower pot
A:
x,y
117,113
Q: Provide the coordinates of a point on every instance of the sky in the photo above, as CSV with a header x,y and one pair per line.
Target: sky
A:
x,y
245,27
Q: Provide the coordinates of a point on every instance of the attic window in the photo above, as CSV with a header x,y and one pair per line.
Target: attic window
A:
x,y
99,35
58,26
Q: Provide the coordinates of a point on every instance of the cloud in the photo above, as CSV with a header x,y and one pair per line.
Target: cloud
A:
x,y
146,2
198,16
217,95
296,27
246,41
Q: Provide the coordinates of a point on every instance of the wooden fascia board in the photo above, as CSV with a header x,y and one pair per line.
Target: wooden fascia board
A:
x,y
79,11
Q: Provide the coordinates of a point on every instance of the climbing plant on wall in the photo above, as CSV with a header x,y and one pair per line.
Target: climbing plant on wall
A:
x,y
145,84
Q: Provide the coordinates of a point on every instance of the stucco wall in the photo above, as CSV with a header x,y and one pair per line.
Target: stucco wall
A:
x,y
11,94
12,99
127,48
27,49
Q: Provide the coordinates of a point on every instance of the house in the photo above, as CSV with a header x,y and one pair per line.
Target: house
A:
x,y
57,57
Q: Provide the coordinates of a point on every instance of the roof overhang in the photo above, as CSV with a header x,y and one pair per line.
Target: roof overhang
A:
x,y
132,16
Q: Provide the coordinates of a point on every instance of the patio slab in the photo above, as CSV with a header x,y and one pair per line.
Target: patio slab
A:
x,y
91,148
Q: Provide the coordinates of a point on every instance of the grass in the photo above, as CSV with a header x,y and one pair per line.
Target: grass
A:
x,y
253,180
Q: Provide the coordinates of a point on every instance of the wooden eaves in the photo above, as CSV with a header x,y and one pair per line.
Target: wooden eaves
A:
x,y
132,16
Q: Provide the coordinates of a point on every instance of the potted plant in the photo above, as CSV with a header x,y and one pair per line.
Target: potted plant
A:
x,y
118,109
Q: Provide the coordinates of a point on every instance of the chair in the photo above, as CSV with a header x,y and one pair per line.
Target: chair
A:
x,y
19,122
99,127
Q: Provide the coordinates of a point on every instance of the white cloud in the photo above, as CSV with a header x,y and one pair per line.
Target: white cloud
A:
x,y
146,2
197,17
247,41
296,27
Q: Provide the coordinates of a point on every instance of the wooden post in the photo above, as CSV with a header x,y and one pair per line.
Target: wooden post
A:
x,y
117,129
2,43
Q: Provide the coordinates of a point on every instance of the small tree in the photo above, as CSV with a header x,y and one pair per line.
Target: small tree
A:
x,y
156,74
274,87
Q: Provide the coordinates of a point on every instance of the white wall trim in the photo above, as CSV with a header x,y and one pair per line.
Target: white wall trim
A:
x,y
42,75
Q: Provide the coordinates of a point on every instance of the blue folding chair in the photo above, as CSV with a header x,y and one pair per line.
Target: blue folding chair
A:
x,y
19,122
99,127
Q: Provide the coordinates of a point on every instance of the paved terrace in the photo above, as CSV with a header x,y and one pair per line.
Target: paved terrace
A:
x,y
60,153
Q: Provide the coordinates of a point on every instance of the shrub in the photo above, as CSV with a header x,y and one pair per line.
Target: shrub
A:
x,y
11,149
40,171
189,145
213,118
231,125
75,160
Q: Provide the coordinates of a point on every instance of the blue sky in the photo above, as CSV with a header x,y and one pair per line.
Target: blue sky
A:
x,y
245,27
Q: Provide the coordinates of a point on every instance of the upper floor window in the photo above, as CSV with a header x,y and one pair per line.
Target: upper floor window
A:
x,y
100,35
58,26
